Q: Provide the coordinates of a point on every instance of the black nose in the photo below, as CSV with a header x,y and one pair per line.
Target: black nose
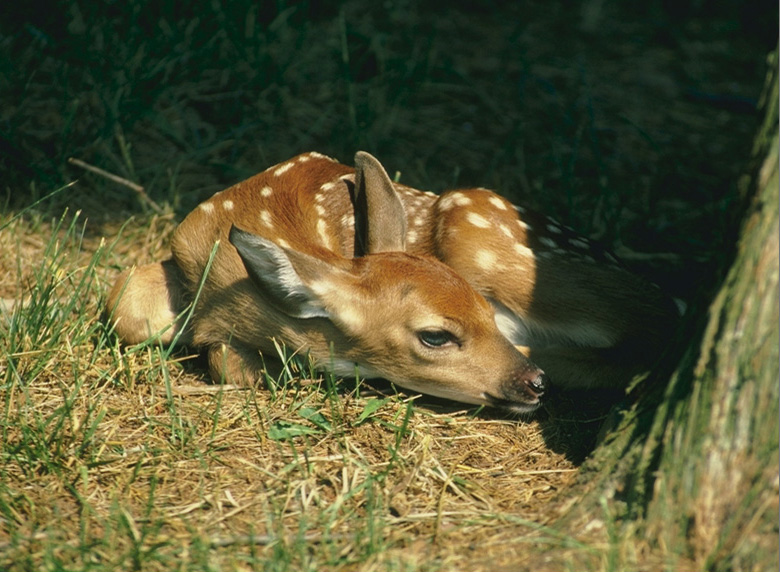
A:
x,y
535,381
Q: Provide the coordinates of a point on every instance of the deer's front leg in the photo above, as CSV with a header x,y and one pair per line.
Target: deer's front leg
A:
x,y
233,364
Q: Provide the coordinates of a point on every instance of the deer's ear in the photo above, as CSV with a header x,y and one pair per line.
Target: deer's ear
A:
x,y
380,218
272,270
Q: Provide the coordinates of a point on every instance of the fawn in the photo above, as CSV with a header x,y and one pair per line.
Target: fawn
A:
x,y
459,295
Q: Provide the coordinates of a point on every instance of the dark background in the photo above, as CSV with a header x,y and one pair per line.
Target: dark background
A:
x,y
630,122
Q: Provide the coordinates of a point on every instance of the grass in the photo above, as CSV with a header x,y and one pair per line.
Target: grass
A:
x,y
119,458
116,458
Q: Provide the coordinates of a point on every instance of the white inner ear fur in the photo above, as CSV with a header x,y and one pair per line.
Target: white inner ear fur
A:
x,y
271,268
290,282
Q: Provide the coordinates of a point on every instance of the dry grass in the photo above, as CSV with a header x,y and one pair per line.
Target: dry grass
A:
x,y
126,457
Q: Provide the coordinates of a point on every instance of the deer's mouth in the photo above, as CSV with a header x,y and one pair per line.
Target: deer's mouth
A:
x,y
526,406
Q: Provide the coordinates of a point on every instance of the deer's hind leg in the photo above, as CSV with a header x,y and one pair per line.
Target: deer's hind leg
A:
x,y
148,300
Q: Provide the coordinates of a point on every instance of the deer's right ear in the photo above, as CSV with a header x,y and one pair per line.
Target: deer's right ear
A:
x,y
271,269
380,218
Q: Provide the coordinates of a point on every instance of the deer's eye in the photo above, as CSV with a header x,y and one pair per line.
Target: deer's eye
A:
x,y
436,338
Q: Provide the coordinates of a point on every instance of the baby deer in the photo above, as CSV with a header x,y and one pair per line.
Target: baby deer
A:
x,y
457,295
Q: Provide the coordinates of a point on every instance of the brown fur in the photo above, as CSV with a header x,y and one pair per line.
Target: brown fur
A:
x,y
586,322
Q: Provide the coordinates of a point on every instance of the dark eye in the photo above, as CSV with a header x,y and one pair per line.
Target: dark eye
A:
x,y
436,338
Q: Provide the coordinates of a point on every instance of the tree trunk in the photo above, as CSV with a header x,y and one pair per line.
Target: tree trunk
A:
x,y
687,478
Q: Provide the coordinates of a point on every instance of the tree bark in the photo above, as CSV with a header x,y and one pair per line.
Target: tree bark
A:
x,y
687,477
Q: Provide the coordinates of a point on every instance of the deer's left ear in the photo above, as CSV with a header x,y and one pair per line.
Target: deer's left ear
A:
x,y
380,218
272,271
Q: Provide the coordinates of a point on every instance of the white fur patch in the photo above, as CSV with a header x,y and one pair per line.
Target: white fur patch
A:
x,y
266,192
345,368
452,200
524,332
348,220
282,169
207,208
486,259
265,218
523,250
322,231
510,325
227,205
477,220
497,202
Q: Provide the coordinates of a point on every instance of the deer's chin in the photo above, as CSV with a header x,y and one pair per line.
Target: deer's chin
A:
x,y
518,407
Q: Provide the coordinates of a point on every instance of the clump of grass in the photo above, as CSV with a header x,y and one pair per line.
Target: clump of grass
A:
x,y
125,458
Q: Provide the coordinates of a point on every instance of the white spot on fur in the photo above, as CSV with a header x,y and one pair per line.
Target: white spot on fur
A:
x,y
327,186
227,205
265,218
411,236
523,250
497,202
304,158
282,242
510,325
207,208
477,220
524,225
461,200
322,231
506,230
266,192
282,169
486,259
348,220
316,155
452,200
320,210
